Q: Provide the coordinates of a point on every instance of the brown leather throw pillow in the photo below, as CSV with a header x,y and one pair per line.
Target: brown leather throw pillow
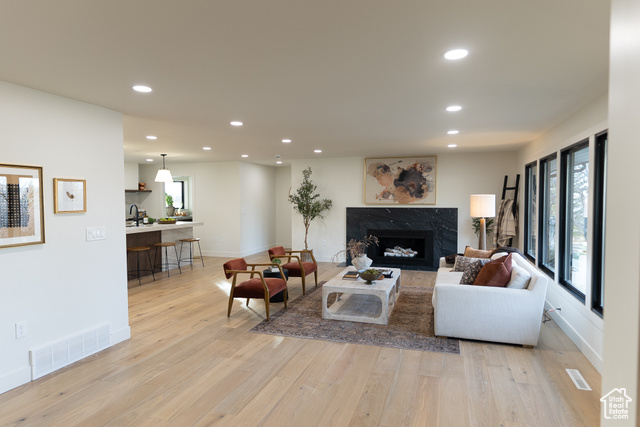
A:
x,y
495,273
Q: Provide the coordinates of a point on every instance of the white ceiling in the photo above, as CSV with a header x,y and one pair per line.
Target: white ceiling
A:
x,y
350,77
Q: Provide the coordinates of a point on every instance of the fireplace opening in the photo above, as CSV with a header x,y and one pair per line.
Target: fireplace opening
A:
x,y
402,247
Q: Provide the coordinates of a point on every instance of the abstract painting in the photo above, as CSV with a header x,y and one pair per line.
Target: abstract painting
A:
x,y
400,181
21,213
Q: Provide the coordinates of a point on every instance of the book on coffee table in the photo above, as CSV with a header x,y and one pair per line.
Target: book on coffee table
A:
x,y
350,275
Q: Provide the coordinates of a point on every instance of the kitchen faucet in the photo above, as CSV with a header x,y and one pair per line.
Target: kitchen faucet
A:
x,y
137,216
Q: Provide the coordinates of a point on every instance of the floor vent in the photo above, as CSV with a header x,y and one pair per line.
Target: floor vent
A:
x,y
49,358
578,379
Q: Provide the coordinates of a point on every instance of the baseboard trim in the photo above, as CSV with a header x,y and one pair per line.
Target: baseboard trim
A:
x,y
120,335
581,343
15,379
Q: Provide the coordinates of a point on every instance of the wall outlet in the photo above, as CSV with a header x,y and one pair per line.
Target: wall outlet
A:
x,y
21,329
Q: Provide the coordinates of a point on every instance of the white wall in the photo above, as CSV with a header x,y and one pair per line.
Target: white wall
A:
x,y
622,272
66,285
283,207
257,189
236,202
131,176
576,319
342,180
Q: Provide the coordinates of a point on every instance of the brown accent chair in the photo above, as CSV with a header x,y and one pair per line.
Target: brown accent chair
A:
x,y
259,287
296,267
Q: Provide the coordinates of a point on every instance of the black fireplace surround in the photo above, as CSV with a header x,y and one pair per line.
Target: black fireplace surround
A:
x,y
431,232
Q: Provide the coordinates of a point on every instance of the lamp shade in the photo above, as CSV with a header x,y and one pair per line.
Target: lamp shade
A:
x,y
483,205
164,175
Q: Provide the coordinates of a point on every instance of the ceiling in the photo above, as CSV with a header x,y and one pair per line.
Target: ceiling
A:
x,y
349,77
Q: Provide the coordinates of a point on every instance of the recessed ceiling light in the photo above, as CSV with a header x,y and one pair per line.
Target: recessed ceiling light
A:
x,y
456,54
142,88
245,155
453,132
151,137
317,151
149,160
452,145
454,108
236,123
206,148
279,162
286,141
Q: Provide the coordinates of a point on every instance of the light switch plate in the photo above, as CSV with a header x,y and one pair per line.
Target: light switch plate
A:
x,y
96,233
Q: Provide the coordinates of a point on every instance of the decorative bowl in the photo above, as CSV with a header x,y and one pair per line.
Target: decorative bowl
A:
x,y
370,275
166,221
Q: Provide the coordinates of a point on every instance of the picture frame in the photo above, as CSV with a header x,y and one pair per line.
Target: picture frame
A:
x,y
400,180
69,195
21,206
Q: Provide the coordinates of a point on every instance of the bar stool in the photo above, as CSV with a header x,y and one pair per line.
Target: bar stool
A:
x,y
191,240
166,262
137,250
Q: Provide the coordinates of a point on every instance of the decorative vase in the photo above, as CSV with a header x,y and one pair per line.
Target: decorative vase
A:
x,y
361,262
171,211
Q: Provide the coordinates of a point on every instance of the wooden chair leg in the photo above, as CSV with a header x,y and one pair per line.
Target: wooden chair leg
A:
x,y
248,301
266,303
230,304
303,292
315,273
286,296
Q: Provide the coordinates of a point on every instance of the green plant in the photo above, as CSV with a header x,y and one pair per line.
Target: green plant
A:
x,y
168,199
488,225
276,261
306,203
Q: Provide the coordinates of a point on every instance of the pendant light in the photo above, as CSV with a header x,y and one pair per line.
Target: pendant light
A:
x,y
164,174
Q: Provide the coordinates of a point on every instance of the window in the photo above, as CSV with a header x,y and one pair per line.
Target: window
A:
x,y
599,201
179,190
574,208
530,219
547,214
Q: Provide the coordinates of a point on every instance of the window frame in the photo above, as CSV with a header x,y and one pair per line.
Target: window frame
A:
x,y
599,169
564,217
528,199
542,194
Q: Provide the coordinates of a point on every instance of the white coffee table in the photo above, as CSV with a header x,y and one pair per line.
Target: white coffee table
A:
x,y
358,302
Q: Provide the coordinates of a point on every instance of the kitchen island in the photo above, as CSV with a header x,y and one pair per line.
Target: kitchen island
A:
x,y
147,235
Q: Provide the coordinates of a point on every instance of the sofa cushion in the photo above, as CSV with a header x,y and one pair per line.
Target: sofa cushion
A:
x,y
477,253
470,267
495,273
519,277
445,275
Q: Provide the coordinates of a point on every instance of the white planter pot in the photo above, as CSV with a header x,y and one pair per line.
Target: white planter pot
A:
x,y
362,262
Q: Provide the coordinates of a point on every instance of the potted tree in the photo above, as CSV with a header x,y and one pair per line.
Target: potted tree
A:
x,y
305,202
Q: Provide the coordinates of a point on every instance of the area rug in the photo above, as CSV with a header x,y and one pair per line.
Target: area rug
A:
x,y
410,325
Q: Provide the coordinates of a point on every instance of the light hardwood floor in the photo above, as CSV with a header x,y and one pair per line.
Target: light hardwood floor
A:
x,y
187,364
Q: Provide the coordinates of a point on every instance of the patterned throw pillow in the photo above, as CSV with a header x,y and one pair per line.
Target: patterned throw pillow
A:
x,y
470,267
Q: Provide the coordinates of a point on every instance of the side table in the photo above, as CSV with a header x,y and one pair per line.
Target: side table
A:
x,y
279,297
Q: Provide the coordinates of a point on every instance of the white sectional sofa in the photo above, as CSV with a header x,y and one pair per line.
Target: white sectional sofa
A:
x,y
489,313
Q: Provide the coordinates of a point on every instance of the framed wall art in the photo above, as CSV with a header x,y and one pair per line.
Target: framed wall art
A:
x,y
21,206
400,181
69,195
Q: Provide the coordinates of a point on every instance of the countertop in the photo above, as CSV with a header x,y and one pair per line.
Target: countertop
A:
x,y
161,227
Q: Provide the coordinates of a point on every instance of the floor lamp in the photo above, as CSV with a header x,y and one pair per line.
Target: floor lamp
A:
x,y
483,206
